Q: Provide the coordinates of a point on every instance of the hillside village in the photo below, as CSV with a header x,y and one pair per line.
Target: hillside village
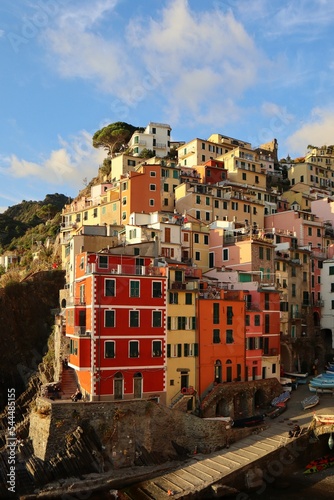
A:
x,y
188,271
207,263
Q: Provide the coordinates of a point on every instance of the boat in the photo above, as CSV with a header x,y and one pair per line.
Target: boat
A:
x,y
310,401
319,390
287,383
277,410
319,464
282,398
329,373
296,375
324,419
322,383
249,421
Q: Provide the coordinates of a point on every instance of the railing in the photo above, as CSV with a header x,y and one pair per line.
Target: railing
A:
x,y
177,285
127,269
81,331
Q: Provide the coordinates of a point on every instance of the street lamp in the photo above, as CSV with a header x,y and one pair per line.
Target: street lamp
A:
x,y
330,442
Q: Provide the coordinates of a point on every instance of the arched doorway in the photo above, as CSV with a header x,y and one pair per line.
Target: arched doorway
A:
x,y
222,408
118,385
259,399
240,405
218,372
138,385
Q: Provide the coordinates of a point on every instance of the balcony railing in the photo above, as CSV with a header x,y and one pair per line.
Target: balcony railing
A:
x,y
81,331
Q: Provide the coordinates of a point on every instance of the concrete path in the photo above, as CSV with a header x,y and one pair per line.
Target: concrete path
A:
x,y
203,470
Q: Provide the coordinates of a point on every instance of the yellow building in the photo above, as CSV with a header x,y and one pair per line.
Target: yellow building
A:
x,y
182,343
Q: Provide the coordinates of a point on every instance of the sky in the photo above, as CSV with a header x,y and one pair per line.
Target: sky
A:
x,y
250,69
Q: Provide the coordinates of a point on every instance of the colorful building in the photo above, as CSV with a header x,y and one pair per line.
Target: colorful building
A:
x,y
116,325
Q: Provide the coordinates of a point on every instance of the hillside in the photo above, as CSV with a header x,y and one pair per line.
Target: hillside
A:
x,y
20,224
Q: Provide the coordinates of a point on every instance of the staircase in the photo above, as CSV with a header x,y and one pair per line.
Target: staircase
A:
x,y
69,383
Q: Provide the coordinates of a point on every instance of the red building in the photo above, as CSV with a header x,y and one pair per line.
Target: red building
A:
x,y
116,323
221,334
262,334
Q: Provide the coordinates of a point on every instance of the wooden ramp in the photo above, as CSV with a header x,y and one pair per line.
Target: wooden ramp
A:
x,y
201,472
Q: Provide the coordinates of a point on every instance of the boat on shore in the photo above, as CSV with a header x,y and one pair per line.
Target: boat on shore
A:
x,y
249,421
310,401
296,375
282,398
277,410
324,419
319,390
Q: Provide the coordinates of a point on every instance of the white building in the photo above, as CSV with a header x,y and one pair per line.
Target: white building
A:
x,y
327,295
156,137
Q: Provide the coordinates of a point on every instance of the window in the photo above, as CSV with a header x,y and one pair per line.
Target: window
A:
x,y
109,349
173,298
109,288
216,336
134,349
196,238
103,262
229,337
266,323
244,176
247,320
332,304
207,200
197,256
215,313
229,319
156,349
152,187
257,320
95,212
134,288
189,298
225,253
309,231
181,322
166,188
268,251
134,318
206,239
151,202
156,289
216,204
198,199
109,318
198,214
293,290
331,270
156,319
260,252
153,174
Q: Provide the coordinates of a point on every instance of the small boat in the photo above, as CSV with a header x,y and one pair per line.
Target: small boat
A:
x,y
329,373
249,421
322,383
282,398
310,401
319,390
324,419
277,410
296,375
319,464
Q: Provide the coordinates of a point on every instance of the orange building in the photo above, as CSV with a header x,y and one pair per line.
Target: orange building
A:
x,y
221,334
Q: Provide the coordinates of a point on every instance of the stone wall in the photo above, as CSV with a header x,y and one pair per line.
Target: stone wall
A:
x,y
240,400
124,431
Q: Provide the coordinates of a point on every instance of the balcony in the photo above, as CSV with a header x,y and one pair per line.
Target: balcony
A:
x,y
178,285
81,331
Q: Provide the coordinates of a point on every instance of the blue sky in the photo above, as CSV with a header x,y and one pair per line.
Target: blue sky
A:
x,y
250,69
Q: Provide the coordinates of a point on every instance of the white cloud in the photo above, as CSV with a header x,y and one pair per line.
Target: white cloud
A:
x,y
191,60
65,166
317,131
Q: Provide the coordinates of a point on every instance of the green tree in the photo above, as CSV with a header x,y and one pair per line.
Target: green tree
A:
x,y
114,137
146,153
